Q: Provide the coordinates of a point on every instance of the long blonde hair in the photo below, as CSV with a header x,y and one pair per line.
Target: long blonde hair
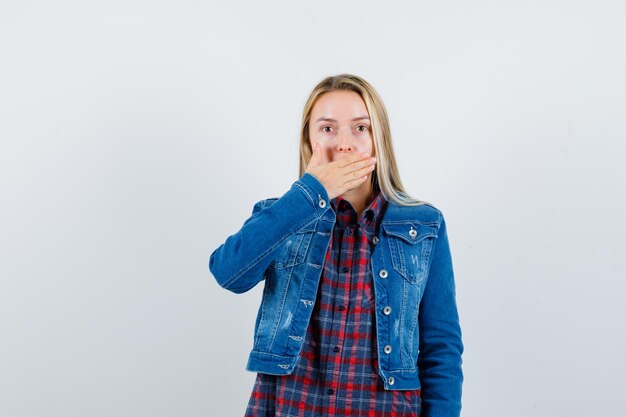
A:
x,y
385,178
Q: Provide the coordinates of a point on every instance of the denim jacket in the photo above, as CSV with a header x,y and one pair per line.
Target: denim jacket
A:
x,y
284,242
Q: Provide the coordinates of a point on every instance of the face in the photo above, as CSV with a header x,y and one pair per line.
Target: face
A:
x,y
340,123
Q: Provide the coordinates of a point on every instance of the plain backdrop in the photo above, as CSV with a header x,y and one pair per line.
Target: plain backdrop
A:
x,y
137,135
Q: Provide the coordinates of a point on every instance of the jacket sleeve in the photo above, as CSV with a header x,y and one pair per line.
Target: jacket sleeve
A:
x,y
439,360
239,263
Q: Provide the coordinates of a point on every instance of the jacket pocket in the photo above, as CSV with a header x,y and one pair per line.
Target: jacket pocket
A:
x,y
410,246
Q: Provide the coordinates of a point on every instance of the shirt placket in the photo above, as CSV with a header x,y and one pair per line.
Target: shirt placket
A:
x,y
344,245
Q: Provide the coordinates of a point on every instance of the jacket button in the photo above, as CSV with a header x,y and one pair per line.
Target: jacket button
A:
x,y
383,273
322,203
387,349
375,240
391,380
413,233
387,310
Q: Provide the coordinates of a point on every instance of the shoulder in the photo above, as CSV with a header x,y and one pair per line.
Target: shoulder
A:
x,y
264,203
422,213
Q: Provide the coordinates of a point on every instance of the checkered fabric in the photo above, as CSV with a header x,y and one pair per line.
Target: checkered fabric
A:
x,y
336,374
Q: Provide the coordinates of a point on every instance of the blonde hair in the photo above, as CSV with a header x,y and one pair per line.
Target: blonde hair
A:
x,y
385,178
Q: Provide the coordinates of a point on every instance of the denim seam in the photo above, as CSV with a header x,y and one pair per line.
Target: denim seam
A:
x,y
411,369
403,309
263,308
413,324
270,345
407,222
275,355
306,192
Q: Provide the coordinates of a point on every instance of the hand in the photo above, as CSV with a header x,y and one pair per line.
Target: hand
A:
x,y
341,175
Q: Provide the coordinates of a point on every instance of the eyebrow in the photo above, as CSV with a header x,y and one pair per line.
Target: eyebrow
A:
x,y
328,119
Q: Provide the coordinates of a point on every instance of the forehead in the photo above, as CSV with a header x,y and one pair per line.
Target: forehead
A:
x,y
340,105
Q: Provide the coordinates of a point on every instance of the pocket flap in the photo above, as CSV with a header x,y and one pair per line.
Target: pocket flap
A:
x,y
410,232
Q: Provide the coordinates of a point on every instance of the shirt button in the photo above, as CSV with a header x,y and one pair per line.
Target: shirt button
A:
x,y
349,232
387,310
336,349
375,240
387,349
331,391
341,308
391,380
345,269
383,273
322,203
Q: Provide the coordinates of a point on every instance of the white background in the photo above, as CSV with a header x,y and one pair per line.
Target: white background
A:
x,y
137,135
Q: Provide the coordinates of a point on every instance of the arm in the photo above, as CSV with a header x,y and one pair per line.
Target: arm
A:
x,y
239,263
439,360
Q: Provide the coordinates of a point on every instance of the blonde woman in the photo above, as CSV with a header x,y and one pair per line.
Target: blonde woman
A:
x,y
358,315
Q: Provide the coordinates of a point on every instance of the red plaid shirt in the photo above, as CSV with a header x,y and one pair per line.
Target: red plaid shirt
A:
x,y
337,373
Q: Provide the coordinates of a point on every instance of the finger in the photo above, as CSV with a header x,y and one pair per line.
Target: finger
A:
x,y
356,174
361,164
351,159
323,153
316,157
364,170
355,182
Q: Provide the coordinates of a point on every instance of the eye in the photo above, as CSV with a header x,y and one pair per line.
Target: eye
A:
x,y
365,128
324,129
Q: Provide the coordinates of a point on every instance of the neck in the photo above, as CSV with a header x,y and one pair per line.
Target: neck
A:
x,y
360,197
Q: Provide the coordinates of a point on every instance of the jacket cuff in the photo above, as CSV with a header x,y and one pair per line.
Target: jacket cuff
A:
x,y
315,191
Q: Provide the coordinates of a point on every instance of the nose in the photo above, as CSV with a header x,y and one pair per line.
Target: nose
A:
x,y
344,141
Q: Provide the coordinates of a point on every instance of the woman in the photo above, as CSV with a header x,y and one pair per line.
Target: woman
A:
x,y
358,315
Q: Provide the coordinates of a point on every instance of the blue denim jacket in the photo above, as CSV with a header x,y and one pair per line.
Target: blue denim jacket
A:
x,y
284,242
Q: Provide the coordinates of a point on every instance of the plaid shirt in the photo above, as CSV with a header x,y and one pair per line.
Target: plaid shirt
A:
x,y
337,373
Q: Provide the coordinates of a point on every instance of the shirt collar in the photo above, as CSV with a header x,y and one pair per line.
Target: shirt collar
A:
x,y
347,214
